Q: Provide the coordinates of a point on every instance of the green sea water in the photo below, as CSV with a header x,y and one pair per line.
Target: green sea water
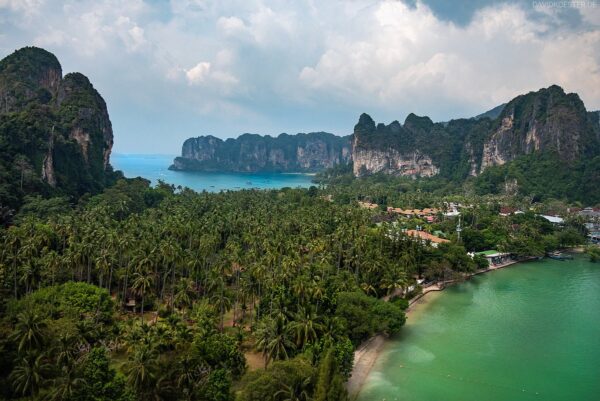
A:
x,y
527,332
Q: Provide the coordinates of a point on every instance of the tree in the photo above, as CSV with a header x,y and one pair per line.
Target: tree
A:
x,y
287,379
273,340
306,326
99,381
141,369
67,384
217,386
29,331
184,294
330,385
142,283
30,373
220,351
297,391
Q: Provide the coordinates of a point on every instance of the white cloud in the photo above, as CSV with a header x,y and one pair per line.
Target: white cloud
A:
x,y
280,66
198,74
409,59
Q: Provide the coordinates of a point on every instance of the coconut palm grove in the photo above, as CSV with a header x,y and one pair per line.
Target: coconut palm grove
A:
x,y
411,260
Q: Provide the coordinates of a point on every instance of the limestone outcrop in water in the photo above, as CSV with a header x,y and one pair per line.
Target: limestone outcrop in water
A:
x,y
253,153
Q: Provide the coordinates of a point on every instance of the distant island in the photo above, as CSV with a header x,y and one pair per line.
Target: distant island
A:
x,y
299,153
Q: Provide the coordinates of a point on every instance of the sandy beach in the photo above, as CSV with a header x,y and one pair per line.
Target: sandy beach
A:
x,y
367,353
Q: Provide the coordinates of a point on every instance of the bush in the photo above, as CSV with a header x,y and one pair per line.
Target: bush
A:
x,y
78,299
263,385
364,316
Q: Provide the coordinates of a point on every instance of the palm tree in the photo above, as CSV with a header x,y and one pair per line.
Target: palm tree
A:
x,y
306,326
189,373
29,331
273,339
65,350
295,392
30,373
142,282
66,384
141,369
185,293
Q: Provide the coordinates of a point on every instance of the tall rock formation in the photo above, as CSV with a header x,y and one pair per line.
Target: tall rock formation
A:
x,y
391,149
55,133
522,142
543,121
251,153
548,121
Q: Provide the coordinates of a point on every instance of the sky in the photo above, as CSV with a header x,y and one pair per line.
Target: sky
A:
x,y
170,70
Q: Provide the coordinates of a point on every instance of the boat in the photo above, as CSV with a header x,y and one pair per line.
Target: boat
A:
x,y
559,256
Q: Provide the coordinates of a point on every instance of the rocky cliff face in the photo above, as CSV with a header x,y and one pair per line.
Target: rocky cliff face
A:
x,y
389,149
250,153
56,133
548,121
542,122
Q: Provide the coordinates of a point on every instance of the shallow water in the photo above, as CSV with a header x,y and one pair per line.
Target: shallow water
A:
x,y
156,167
527,332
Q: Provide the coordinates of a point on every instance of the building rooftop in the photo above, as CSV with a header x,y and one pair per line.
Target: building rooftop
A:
x,y
425,236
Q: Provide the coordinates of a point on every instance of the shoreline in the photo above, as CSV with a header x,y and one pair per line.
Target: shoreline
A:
x,y
367,354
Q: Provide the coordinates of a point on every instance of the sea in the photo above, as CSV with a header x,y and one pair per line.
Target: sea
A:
x,y
156,167
526,332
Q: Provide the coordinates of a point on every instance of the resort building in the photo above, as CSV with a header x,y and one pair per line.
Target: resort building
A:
x,y
426,213
507,211
553,219
368,205
494,257
425,237
590,213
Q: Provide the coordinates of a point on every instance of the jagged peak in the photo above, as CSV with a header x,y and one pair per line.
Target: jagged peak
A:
x,y
77,78
30,57
395,126
414,121
365,124
365,119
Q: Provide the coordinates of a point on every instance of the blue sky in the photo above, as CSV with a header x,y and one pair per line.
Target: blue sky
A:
x,y
172,70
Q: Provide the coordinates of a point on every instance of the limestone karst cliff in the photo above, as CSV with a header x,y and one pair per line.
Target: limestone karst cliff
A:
x,y
537,133
55,133
250,153
542,122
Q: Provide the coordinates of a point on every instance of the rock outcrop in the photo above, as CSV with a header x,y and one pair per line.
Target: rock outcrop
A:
x,y
541,132
57,130
253,153
542,122
390,149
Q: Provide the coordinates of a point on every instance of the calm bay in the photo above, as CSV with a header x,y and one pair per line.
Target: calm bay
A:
x,y
527,332
156,167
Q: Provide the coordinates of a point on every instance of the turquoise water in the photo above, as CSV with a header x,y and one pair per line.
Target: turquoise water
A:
x,y
527,332
156,167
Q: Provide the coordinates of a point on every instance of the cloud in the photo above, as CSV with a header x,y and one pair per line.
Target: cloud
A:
x,y
190,65
198,74
412,60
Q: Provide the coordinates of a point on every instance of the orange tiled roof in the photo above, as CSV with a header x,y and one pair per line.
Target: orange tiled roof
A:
x,y
425,236
368,205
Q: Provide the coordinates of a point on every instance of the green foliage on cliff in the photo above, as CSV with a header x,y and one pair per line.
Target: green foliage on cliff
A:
x,y
544,176
54,133
549,142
